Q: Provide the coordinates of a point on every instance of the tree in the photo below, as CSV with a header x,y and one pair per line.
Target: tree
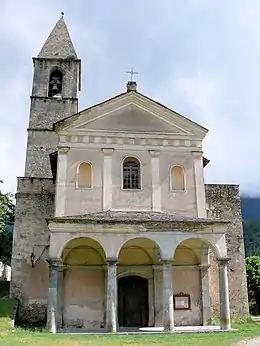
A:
x,y
6,226
253,283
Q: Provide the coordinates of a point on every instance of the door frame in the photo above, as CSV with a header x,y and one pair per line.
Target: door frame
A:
x,y
151,291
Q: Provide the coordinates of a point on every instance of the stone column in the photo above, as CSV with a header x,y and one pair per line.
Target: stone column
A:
x,y
156,184
224,294
168,296
61,183
53,309
111,306
107,179
199,183
158,294
205,295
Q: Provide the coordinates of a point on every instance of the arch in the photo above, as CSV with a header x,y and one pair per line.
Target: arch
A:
x,y
84,175
131,173
177,178
83,251
139,251
55,83
197,245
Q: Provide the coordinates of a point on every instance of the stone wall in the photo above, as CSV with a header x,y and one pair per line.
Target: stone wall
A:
x,y
34,203
223,201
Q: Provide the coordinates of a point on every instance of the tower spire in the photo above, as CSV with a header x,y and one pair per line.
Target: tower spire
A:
x,y
58,44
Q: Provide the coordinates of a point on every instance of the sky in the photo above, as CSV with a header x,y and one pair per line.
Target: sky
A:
x,y
199,57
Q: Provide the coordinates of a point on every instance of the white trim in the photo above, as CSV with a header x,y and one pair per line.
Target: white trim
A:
x,y
140,174
77,174
184,179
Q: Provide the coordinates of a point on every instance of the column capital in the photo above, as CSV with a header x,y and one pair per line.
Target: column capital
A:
x,y
62,150
167,261
111,261
155,153
108,151
223,260
197,154
54,262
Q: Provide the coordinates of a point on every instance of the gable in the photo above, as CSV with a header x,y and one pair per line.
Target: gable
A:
x,y
131,112
130,118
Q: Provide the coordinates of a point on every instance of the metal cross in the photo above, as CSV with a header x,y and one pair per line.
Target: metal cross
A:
x,y
132,73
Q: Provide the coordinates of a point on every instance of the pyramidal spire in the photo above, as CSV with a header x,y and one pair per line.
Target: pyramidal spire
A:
x,y
59,43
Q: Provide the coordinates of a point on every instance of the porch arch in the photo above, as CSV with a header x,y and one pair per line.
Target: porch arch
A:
x,y
150,248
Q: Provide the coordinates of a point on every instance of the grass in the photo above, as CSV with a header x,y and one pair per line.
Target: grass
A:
x,y
19,337
7,311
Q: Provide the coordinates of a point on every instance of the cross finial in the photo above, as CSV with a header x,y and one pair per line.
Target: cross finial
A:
x,y
132,73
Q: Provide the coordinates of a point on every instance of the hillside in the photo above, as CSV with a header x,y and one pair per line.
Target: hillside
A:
x,y
250,208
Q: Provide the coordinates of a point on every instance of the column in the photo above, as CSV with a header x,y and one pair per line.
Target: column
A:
x,y
158,294
199,183
53,296
111,308
224,294
156,183
60,195
168,296
107,179
205,295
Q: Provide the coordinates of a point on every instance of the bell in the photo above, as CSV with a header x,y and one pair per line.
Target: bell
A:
x,y
55,89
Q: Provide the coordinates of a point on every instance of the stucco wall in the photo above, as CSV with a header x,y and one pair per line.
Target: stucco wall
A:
x,y
80,201
84,298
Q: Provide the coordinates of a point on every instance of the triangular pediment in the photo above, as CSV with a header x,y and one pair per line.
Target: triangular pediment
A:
x,y
131,113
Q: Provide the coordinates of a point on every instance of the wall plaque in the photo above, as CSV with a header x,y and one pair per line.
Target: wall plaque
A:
x,y
181,301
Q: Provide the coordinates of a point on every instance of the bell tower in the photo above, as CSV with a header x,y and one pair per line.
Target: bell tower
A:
x,y
56,81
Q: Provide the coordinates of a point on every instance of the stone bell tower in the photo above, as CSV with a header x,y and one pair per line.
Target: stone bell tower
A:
x,y
56,83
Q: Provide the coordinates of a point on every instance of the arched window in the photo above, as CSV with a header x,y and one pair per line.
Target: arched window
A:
x,y
55,84
84,176
131,173
177,178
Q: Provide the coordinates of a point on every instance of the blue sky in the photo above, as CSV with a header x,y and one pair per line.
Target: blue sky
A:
x,y
198,57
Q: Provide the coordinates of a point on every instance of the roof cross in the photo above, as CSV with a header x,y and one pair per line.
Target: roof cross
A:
x,y
132,73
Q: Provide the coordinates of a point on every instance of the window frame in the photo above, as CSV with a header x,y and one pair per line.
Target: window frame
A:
x,y
184,180
139,174
77,175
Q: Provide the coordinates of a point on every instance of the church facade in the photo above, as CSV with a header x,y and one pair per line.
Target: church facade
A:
x,y
115,227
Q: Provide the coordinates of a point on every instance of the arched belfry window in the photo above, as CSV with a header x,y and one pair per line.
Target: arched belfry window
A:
x,y
177,178
131,173
55,84
84,176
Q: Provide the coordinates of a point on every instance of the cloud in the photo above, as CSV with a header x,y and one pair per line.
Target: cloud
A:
x,y
198,57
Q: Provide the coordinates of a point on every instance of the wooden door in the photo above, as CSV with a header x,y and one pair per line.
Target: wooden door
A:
x,y
133,308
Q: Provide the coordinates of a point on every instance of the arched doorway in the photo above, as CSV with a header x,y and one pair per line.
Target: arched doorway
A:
x,y
137,258
133,306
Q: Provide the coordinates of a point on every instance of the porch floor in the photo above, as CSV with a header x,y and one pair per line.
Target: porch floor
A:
x,y
152,330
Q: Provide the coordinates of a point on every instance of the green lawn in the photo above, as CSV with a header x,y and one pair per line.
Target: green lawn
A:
x,y
20,337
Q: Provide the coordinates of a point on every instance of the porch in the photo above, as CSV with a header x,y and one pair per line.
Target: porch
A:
x,y
134,277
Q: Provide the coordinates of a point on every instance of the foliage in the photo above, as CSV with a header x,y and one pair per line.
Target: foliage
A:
x,y
252,237
8,308
253,283
6,226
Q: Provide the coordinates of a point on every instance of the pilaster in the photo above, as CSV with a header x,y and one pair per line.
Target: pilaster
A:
x,y
156,184
205,295
107,179
61,182
199,183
